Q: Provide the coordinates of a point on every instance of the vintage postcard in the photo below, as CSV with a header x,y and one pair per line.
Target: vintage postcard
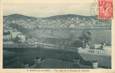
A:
x,y
57,36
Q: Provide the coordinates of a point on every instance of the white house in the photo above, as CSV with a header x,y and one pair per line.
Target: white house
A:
x,y
11,35
21,37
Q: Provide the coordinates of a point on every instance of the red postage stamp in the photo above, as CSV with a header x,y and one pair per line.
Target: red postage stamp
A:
x,y
105,9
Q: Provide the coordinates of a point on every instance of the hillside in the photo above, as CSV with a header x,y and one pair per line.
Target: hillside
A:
x,y
17,17
59,21
59,29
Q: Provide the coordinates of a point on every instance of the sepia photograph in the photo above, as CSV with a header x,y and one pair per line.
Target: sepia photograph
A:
x,y
56,36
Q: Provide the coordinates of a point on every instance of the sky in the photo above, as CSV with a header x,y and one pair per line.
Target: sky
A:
x,y
45,8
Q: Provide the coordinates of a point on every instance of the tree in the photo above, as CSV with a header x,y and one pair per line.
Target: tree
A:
x,y
77,43
16,40
85,37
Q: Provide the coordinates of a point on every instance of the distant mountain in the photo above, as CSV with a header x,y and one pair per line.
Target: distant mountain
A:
x,y
58,21
70,16
18,17
73,20
34,27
